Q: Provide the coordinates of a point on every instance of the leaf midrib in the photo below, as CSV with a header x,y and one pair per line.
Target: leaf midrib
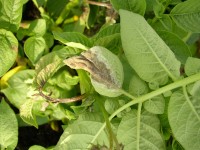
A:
x,y
157,58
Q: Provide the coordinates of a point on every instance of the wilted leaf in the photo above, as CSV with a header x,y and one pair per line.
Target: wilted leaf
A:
x,y
104,67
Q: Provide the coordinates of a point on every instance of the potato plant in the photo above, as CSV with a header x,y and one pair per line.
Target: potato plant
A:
x,y
118,75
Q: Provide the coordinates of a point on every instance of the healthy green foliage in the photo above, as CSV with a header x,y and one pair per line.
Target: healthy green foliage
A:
x,y
8,50
131,5
146,52
112,74
8,127
11,14
148,137
81,133
34,48
187,15
184,119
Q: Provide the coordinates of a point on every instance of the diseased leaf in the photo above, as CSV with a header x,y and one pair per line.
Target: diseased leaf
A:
x,y
80,134
34,48
146,52
187,15
20,87
130,5
184,119
11,14
149,137
8,50
105,69
26,113
192,66
49,64
8,127
180,49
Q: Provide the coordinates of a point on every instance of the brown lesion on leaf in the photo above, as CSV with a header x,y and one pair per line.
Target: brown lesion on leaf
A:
x,y
89,62
15,48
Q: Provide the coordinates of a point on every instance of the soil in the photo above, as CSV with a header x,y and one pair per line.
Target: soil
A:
x,y
43,136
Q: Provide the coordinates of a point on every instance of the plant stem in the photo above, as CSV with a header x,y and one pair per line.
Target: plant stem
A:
x,y
138,125
185,39
107,5
127,94
112,135
174,85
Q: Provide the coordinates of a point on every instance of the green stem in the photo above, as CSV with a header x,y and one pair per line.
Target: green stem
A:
x,y
143,98
127,94
138,125
185,39
112,135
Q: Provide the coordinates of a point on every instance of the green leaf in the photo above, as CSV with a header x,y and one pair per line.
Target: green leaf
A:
x,y
164,23
73,39
184,119
80,134
20,87
49,39
192,66
195,90
180,49
26,113
37,28
187,15
130,5
146,52
105,68
112,42
34,48
149,137
107,31
111,105
155,105
37,147
11,14
8,50
8,127
137,86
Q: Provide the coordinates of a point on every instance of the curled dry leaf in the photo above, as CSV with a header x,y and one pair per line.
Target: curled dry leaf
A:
x,y
105,69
